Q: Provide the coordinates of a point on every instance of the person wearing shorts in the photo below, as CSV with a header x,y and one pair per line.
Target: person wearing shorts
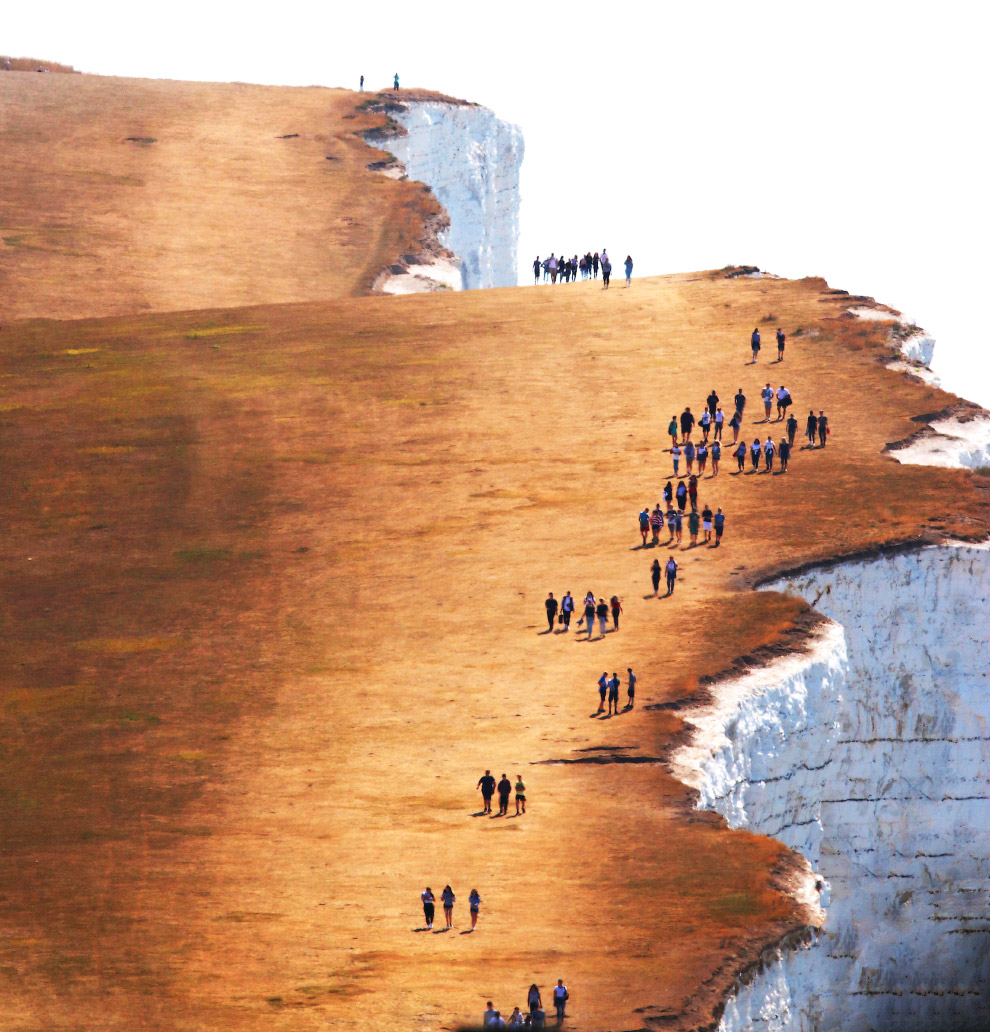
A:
x,y
644,524
719,421
767,395
687,425
716,456
520,794
754,343
475,901
694,522
613,693
706,524
448,898
602,690
702,458
719,527
689,452
781,338
504,791
428,906
631,690
487,785
656,524
706,425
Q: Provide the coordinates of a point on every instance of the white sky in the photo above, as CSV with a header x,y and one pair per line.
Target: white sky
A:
x,y
846,140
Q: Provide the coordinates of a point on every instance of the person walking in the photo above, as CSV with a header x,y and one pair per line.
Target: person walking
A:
x,y
781,338
566,609
474,901
668,493
428,907
681,496
504,791
533,1000
754,454
551,604
490,1016
812,428
613,694
395,81
675,454
644,524
553,269
601,611
822,427
702,458
361,85
740,454
767,395
656,524
616,606
606,272
520,795
689,453
678,524
769,450
719,527
560,997
740,400
716,455
735,422
671,524
784,450
594,264
719,419
694,521
687,424
705,424
589,616
693,493
671,574
783,401
448,899
629,264
712,401
655,577
537,269
706,523
672,429
487,785
792,425
602,690
631,689
754,343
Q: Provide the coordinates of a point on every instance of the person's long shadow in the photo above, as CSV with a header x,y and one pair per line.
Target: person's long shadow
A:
x,y
560,630
480,813
440,931
423,929
467,931
541,633
652,594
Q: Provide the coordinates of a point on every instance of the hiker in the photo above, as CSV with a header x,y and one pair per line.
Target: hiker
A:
x,y
754,343
719,419
668,494
629,264
566,608
681,496
671,574
780,344
594,264
644,524
672,430
784,448
504,791
671,524
678,524
361,87
706,424
533,1000
675,454
754,454
655,576
791,429
689,453
656,524
551,604
448,898
631,690
812,428
712,401
475,903
560,999
740,454
740,400
687,424
783,400
694,522
693,493
589,616
613,693
769,450
767,395
735,422
601,611
706,523
716,455
490,1016
702,458
602,690
487,785
428,900
537,267
719,527
822,427
520,794
395,83
606,271
616,606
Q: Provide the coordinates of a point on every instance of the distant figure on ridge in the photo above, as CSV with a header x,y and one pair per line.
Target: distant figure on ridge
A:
x,y
537,267
781,339
395,83
754,340
606,271
629,264
361,87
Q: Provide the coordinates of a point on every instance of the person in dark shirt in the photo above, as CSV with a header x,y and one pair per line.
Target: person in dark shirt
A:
x,y
735,422
740,400
781,338
537,267
613,694
791,429
822,427
681,496
706,523
487,785
671,574
687,425
784,449
712,402
754,342
601,611
812,428
719,522
551,604
655,575
504,791
741,456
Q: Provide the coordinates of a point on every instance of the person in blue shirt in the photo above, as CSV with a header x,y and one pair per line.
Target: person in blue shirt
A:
x,y
644,523
629,264
395,84
754,340
719,522
741,456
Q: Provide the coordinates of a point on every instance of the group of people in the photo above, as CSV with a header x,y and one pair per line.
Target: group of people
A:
x,y
705,521
561,612
504,788
755,343
564,270
609,686
537,1016
448,899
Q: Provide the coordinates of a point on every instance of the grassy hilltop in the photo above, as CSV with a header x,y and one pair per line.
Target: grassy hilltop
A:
x,y
273,582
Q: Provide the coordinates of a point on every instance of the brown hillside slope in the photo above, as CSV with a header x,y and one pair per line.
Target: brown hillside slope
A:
x,y
272,590
124,195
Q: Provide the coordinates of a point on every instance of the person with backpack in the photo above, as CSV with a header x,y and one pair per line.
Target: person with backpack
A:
x,y
769,450
566,608
754,343
671,574
783,400
740,454
784,448
644,524
551,605
560,998
629,264
822,427
655,576
616,607
719,522
781,338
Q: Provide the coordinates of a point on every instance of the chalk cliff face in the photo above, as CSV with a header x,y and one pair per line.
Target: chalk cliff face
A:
x,y
471,161
871,756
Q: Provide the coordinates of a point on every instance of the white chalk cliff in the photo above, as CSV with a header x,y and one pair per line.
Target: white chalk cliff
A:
x,y
470,159
870,755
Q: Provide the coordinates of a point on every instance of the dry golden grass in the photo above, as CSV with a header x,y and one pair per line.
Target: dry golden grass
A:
x,y
127,195
273,588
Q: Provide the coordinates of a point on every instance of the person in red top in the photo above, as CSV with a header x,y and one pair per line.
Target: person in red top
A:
x,y
616,609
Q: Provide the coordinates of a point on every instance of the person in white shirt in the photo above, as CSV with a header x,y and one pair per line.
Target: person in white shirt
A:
x,y
769,450
560,996
783,400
